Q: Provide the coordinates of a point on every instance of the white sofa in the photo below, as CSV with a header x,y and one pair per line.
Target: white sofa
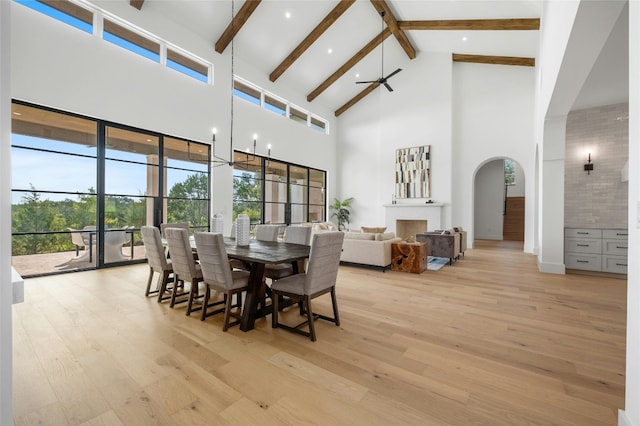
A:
x,y
372,249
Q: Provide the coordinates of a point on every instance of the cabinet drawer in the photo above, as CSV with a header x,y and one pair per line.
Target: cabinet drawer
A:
x,y
589,262
615,264
583,245
614,247
615,234
583,233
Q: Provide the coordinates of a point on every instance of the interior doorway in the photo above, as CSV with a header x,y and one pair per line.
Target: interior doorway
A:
x,y
499,202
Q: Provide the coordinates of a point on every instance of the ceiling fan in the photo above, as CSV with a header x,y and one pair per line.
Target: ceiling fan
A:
x,y
382,80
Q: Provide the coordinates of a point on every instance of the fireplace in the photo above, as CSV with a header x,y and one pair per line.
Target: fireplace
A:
x,y
408,228
425,213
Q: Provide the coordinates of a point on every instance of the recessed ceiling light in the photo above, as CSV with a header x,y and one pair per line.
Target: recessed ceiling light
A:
x,y
287,15
17,113
464,38
357,75
148,140
330,51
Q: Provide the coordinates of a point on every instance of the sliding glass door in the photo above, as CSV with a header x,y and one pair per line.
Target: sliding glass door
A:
x,y
82,188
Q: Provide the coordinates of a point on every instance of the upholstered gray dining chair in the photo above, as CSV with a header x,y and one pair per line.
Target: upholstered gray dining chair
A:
x,y
219,277
295,235
267,232
158,262
179,225
320,278
185,267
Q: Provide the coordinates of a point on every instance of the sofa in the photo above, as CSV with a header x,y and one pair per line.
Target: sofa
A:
x,y
441,244
368,248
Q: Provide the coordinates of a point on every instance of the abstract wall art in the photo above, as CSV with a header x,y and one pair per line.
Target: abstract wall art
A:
x,y
413,172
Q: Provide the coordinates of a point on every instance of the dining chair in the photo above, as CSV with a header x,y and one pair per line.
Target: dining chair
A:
x,y
320,278
185,267
267,232
180,225
158,262
219,277
295,235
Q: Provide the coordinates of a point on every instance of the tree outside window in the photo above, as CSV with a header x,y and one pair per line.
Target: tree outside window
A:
x,y
509,172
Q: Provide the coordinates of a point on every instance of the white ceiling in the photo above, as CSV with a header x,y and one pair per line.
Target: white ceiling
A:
x,y
268,36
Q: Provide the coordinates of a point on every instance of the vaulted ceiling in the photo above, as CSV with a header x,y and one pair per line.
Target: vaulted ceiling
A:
x,y
320,48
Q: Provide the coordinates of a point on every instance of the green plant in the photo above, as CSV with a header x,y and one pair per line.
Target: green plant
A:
x,y
341,211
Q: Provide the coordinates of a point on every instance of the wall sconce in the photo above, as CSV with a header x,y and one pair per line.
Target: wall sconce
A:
x,y
589,166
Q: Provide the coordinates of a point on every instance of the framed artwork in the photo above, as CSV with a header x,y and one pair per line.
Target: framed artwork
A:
x,y
413,172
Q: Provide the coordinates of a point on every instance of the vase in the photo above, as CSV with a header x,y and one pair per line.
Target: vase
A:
x,y
217,224
242,230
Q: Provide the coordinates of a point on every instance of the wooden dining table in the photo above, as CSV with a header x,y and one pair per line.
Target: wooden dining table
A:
x,y
256,255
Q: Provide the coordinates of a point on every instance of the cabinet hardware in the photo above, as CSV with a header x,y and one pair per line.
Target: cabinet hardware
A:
x,y
621,264
582,245
582,261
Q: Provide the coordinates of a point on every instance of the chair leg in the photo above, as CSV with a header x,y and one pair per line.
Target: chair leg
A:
x,y
274,315
312,329
174,291
227,310
335,306
193,293
207,295
162,285
239,300
146,293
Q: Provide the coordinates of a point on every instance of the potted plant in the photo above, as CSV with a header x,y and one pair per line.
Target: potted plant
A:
x,y
341,211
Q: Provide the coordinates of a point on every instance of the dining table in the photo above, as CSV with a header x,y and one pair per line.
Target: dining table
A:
x,y
256,255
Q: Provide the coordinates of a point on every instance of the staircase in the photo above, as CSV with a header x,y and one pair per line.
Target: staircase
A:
x,y
513,221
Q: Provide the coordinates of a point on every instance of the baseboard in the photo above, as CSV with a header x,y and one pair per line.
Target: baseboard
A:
x,y
623,420
551,268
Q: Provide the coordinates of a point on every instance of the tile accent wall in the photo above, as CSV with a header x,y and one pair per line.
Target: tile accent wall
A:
x,y
598,200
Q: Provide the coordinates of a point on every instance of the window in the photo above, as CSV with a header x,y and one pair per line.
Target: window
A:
x,y
64,11
284,194
188,66
246,92
130,40
80,14
509,172
275,105
82,188
252,93
298,115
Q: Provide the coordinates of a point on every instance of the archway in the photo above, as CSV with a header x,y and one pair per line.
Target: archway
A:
x,y
499,200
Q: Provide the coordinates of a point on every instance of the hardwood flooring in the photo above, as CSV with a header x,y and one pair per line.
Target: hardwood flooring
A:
x,y
487,341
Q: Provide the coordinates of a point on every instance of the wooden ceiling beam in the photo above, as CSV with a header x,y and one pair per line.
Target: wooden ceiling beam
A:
x,y
328,20
349,64
136,3
392,24
236,23
473,24
357,98
495,60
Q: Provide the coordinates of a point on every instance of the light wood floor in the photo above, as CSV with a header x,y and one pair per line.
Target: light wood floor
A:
x,y
487,341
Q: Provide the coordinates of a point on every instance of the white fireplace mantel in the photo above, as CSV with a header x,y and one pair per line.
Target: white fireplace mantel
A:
x,y
432,212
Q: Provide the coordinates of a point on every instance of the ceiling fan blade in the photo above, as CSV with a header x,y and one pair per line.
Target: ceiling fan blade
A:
x,y
393,73
388,87
366,82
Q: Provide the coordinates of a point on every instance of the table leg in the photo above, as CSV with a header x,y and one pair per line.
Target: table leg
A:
x,y
90,247
250,309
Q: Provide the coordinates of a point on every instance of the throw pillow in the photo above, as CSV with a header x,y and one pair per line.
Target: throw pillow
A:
x,y
369,229
385,236
381,229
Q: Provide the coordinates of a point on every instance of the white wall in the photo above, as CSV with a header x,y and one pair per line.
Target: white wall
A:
x,y
631,414
489,201
6,288
493,112
62,67
418,112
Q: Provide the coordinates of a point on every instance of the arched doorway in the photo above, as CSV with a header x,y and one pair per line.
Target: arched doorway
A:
x,y
499,201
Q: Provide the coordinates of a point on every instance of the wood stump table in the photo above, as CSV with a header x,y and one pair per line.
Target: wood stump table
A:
x,y
409,257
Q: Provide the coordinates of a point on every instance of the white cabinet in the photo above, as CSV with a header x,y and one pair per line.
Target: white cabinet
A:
x,y
601,250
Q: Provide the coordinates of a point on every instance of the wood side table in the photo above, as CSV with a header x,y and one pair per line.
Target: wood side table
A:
x,y
409,257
